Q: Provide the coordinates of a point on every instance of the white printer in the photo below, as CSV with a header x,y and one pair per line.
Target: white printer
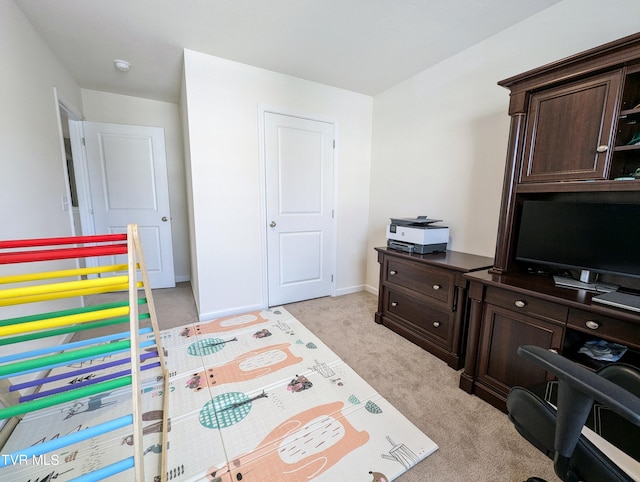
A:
x,y
417,235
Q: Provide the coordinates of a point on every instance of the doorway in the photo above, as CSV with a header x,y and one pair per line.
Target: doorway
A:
x,y
121,178
70,202
300,215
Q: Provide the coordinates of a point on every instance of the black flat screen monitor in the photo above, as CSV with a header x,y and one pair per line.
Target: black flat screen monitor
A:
x,y
598,237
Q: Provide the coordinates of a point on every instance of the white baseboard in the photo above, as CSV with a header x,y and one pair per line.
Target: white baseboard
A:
x,y
349,290
372,289
212,315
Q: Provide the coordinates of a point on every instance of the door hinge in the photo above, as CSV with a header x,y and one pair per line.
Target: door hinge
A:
x,y
333,213
334,143
332,278
83,142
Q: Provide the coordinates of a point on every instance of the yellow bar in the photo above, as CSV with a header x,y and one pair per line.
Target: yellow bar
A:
x,y
63,321
19,278
66,294
58,287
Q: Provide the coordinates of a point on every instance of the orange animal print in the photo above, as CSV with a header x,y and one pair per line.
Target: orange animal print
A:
x,y
378,477
247,366
301,448
228,323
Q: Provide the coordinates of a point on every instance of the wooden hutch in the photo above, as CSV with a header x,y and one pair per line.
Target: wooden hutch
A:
x,y
571,123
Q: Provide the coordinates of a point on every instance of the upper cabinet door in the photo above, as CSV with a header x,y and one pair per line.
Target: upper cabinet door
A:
x,y
569,134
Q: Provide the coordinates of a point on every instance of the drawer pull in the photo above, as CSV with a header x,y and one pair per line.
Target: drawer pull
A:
x,y
393,272
436,287
436,324
520,303
394,303
592,325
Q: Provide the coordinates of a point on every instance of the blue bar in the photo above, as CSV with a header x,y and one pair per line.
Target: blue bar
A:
x,y
106,471
75,344
72,438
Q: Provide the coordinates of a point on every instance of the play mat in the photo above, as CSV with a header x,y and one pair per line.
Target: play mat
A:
x,y
253,398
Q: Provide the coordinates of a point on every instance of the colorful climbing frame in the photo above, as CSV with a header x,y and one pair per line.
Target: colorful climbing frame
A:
x,y
108,363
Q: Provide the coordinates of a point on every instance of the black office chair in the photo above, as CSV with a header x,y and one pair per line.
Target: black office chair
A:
x,y
557,432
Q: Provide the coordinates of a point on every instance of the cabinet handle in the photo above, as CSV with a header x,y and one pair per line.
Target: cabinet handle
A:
x,y
520,303
436,287
393,272
592,325
436,324
603,148
394,304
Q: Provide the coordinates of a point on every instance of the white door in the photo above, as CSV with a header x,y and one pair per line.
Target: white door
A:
x,y
127,172
299,207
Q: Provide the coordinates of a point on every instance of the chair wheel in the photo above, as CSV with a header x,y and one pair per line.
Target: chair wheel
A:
x,y
535,479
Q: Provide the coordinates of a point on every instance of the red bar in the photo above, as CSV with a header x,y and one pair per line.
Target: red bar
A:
x,y
64,253
27,243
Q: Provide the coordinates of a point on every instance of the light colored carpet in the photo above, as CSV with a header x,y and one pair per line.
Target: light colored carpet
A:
x,y
477,442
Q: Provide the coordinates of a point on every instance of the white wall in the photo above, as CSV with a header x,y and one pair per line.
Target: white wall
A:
x,y
123,109
440,138
32,183
222,102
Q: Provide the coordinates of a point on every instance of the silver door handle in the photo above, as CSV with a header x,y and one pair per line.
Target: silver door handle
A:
x,y
165,219
272,224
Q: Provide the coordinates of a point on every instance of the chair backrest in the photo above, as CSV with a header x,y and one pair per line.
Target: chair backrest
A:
x,y
578,388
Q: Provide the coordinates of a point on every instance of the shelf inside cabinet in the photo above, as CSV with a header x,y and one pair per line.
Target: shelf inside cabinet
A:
x,y
630,112
574,340
631,94
625,162
634,147
628,132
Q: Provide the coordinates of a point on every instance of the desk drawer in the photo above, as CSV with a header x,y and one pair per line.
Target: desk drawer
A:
x,y
438,284
526,304
600,326
435,323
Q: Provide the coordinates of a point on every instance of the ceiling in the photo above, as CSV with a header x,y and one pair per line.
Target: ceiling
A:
x,y
364,46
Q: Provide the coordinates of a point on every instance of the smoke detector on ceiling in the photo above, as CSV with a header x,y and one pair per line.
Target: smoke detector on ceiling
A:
x,y
121,65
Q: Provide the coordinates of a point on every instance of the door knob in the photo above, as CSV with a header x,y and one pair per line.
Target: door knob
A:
x,y
272,224
165,219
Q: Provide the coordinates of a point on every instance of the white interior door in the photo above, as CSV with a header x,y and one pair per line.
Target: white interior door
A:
x,y
127,172
299,205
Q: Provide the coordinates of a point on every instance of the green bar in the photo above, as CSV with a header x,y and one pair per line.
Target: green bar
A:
x,y
64,357
64,397
72,311
69,329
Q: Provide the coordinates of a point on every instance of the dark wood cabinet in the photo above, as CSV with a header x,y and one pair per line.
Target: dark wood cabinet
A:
x,y
512,319
570,129
423,297
502,333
